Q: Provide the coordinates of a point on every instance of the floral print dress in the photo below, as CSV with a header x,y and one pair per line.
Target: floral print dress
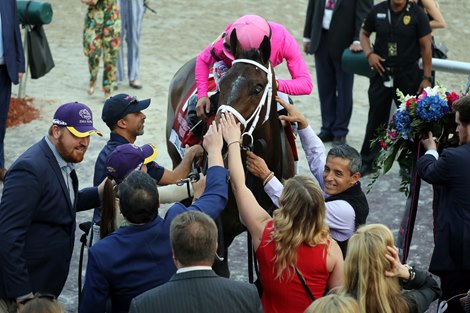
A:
x,y
102,36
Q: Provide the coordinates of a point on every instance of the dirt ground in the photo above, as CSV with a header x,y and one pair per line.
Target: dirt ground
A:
x,y
178,31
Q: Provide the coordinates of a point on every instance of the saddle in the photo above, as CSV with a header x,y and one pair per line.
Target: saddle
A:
x,y
189,130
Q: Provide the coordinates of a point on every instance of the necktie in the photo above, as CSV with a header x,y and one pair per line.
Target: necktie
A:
x,y
72,183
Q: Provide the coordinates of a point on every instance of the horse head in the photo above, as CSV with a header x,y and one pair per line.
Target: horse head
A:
x,y
248,87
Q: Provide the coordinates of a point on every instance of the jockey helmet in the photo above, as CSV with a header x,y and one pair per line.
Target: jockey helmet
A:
x,y
251,30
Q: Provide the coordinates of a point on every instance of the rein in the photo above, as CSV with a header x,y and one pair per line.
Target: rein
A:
x,y
266,94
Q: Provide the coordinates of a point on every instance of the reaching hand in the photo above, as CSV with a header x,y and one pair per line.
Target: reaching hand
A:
x,y
195,153
230,128
256,165
203,107
213,140
429,143
294,114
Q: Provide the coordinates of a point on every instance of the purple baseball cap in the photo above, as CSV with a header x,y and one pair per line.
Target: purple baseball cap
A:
x,y
78,119
118,106
127,158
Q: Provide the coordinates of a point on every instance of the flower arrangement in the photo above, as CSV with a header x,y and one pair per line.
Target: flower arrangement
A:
x,y
416,115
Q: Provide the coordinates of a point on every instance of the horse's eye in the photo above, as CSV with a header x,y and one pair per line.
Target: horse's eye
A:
x,y
258,89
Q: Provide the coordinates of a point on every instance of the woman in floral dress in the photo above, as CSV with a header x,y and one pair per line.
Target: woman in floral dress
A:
x,y
102,36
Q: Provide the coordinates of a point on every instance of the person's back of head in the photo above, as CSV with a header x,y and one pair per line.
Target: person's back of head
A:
x,y
41,304
334,303
300,219
193,237
462,106
138,198
364,271
347,152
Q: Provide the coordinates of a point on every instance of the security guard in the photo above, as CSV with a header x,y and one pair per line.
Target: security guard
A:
x,y
403,35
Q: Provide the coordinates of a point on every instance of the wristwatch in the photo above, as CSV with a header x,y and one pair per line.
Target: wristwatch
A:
x,y
428,78
411,271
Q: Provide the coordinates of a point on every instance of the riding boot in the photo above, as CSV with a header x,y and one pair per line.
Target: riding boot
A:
x,y
195,124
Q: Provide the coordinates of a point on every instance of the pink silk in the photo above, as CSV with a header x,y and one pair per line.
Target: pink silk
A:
x,y
283,47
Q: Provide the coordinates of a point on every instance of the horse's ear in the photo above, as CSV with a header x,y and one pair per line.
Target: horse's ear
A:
x,y
234,44
265,49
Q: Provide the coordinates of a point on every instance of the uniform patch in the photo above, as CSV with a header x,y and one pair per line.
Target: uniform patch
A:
x,y
406,19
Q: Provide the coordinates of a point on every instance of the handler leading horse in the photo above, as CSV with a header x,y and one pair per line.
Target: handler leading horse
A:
x,y
248,91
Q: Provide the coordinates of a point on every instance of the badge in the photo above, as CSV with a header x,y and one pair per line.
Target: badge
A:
x,y
392,49
406,19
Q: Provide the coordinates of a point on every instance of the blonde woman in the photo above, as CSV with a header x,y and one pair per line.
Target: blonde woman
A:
x,y
374,275
334,303
436,20
291,246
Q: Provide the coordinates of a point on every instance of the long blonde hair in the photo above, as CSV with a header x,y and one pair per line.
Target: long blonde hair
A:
x,y
299,220
334,303
364,271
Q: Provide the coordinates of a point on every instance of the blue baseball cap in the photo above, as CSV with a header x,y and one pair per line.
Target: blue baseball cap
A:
x,y
118,106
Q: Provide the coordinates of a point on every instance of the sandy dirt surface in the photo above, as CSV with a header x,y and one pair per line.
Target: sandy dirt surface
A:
x,y
177,33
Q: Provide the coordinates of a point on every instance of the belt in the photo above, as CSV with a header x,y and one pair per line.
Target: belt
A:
x,y
399,69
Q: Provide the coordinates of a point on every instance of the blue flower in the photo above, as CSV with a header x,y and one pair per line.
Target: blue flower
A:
x,y
431,108
402,120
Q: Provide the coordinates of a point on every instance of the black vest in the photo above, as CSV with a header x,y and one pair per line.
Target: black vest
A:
x,y
357,199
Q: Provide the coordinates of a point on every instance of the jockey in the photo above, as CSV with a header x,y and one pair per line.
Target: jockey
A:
x,y
251,30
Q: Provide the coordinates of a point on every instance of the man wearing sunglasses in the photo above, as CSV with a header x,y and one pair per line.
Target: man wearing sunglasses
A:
x,y
123,115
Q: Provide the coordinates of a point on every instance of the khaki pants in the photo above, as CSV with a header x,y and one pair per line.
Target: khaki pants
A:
x,y
7,306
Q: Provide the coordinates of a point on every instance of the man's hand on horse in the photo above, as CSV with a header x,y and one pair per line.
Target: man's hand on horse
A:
x,y
194,153
203,107
256,165
294,115
230,128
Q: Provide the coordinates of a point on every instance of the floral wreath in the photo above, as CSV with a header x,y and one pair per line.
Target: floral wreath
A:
x,y
429,111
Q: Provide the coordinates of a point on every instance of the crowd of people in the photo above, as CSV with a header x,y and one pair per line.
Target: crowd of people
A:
x,y
316,252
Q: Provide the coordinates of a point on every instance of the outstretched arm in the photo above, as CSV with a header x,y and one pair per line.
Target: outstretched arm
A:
x,y
183,169
253,215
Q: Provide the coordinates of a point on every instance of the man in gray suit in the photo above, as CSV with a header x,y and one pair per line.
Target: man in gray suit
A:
x,y
195,287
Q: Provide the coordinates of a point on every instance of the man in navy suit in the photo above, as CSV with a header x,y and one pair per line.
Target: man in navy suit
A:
x,y
195,287
136,258
37,210
450,175
330,27
11,65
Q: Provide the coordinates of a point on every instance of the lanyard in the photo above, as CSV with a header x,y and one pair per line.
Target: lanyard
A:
x,y
389,17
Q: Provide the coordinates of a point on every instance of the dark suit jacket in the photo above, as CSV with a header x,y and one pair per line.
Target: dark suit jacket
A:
x,y
199,291
346,22
450,176
138,258
37,224
12,45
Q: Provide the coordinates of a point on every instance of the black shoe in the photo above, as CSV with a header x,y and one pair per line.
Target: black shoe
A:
x,y
134,84
339,140
325,137
367,169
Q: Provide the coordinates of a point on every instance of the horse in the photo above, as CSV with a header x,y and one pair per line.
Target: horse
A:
x,y
248,91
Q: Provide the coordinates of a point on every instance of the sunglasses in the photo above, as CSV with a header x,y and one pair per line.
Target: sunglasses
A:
x,y
39,296
132,102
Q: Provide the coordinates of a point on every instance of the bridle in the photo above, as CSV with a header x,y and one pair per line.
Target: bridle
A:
x,y
256,113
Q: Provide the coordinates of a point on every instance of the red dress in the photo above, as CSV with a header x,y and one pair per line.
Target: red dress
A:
x,y
289,295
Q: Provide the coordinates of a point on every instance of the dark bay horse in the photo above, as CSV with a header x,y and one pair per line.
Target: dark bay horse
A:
x,y
247,90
